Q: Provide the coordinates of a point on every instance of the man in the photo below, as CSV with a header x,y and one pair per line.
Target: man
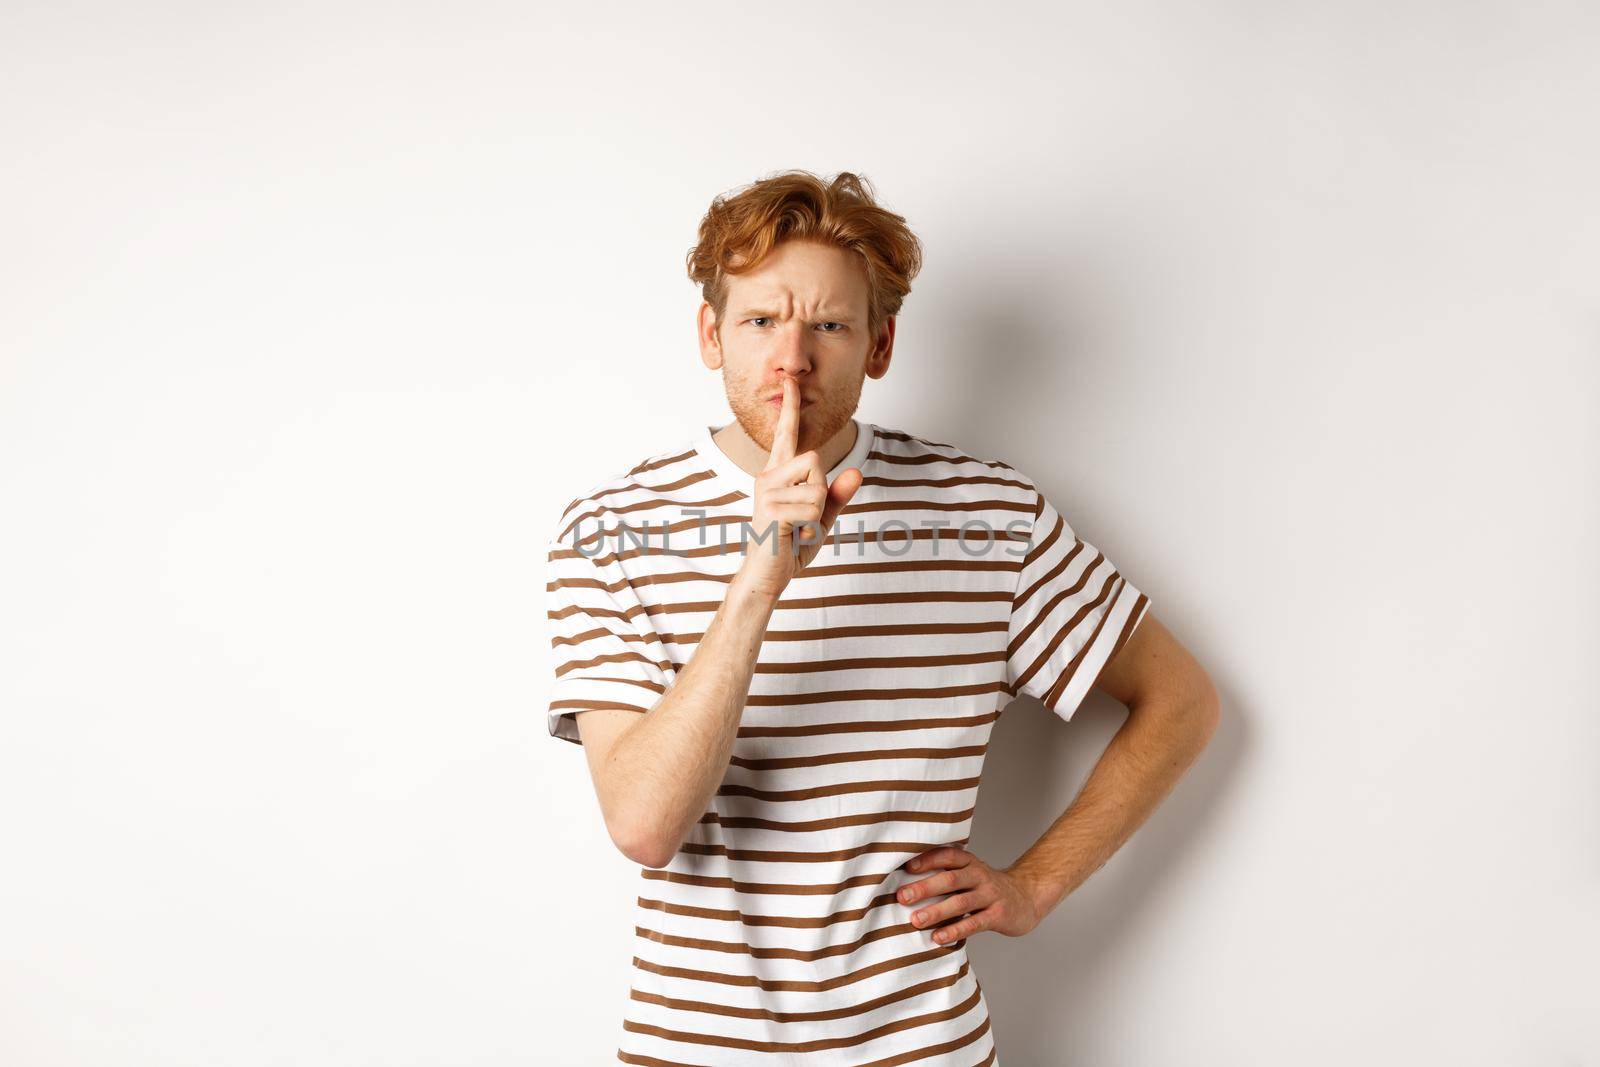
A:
x,y
786,729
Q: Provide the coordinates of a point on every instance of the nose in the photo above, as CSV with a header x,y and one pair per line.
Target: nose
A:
x,y
791,353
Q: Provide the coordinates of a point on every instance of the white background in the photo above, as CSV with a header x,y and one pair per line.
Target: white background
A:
x,y
313,317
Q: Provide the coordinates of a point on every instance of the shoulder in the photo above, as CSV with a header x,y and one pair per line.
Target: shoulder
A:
x,y
606,499
909,447
953,466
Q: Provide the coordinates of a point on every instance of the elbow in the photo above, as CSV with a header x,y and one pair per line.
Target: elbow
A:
x,y
654,858
1206,707
635,832
646,848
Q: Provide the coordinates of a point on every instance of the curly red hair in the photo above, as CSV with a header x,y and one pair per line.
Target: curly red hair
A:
x,y
742,227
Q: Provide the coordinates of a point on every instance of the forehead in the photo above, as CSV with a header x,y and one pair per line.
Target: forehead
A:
x,y
808,273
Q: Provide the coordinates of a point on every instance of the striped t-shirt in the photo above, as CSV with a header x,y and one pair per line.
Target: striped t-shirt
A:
x,y
948,585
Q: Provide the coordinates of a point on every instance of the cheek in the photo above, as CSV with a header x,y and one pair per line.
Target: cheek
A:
x,y
734,374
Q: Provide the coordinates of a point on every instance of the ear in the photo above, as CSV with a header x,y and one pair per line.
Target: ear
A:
x,y
706,331
882,350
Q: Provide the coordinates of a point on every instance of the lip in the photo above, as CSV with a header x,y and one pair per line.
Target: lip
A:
x,y
778,400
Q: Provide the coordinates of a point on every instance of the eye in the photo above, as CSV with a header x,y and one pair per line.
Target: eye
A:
x,y
758,318
838,324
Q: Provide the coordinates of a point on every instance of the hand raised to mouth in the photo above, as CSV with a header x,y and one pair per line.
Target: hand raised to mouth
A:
x,y
790,492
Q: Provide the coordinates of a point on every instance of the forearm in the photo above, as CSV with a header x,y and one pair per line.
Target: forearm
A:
x,y
664,770
1152,750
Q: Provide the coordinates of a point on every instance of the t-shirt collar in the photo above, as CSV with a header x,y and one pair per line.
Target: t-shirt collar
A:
x,y
736,477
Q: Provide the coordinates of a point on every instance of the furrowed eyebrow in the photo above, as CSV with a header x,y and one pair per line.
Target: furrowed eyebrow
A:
x,y
828,314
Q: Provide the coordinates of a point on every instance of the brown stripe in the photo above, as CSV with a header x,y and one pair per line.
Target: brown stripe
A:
x,y
918,504
820,1043
653,1061
1054,694
813,666
959,457
591,610
1040,549
784,700
820,759
1059,686
866,818
752,855
775,985
954,564
874,726
945,483
557,640
566,666
908,629
817,569
861,1008
776,952
597,705
876,785
650,465
1112,579
946,1046
791,922
780,889
1037,616
908,596
1134,614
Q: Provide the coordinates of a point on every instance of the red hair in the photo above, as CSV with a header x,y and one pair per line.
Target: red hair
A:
x,y
742,227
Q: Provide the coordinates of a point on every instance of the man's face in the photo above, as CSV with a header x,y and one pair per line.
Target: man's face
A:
x,y
801,314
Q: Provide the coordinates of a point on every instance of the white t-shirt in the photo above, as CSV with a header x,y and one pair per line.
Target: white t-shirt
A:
x,y
775,936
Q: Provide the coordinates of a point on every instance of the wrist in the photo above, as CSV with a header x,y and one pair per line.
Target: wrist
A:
x,y
746,589
1039,887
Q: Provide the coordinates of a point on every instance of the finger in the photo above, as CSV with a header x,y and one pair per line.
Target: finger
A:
x,y
790,512
952,907
953,932
948,856
797,470
786,436
944,882
839,493
809,535
804,493
824,523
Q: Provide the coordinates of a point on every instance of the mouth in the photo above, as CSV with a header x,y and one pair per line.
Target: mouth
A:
x,y
777,401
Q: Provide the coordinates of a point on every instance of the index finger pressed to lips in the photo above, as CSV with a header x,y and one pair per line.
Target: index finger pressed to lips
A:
x,y
786,436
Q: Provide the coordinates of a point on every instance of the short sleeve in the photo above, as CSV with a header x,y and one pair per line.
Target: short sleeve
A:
x,y
1071,612
604,651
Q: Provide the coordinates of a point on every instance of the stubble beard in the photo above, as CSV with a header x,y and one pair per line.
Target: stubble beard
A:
x,y
818,423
